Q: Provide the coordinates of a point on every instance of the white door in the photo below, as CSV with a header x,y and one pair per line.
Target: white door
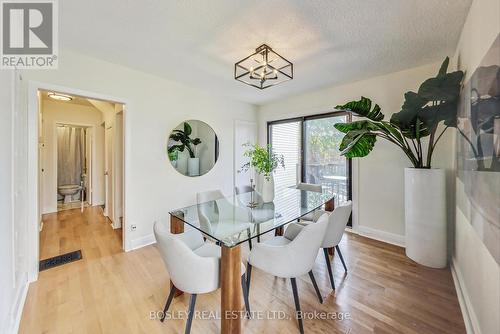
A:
x,y
244,132
108,172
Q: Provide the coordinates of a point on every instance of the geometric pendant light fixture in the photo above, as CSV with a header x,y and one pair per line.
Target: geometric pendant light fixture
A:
x,y
263,69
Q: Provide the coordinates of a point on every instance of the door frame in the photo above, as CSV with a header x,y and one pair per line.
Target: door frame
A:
x,y
33,167
302,120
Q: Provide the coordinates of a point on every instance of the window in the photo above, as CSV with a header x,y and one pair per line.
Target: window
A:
x,y
310,148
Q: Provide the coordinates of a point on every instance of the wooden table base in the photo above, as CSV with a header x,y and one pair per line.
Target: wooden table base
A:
x,y
330,206
230,278
176,227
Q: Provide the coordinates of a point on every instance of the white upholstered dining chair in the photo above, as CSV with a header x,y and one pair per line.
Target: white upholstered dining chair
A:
x,y
309,187
214,209
193,266
313,215
337,222
287,257
242,189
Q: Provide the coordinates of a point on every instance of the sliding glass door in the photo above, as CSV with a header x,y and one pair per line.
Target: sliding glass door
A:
x,y
323,163
310,147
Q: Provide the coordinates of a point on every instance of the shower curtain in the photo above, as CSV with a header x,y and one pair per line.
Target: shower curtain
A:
x,y
70,155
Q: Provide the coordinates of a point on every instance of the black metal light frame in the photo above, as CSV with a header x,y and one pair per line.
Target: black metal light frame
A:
x,y
274,72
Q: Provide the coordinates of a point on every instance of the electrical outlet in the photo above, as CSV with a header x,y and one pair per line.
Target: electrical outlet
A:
x,y
133,227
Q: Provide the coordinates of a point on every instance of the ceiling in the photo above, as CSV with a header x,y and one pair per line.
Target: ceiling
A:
x,y
197,42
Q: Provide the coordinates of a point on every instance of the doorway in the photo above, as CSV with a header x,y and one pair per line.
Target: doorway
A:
x,y
72,155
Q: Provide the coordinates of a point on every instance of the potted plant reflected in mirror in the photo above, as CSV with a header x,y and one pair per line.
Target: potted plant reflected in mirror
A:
x,y
265,162
416,130
173,156
185,142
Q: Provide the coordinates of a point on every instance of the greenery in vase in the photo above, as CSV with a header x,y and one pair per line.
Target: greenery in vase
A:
x,y
435,102
263,159
182,136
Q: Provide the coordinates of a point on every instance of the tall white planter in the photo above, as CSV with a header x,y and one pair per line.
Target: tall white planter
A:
x,y
425,216
267,188
193,166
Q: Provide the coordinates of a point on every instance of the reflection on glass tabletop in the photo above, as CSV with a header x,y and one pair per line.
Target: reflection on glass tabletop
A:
x,y
231,221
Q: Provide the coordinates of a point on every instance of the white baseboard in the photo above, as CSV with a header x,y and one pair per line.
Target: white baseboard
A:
x,y
143,241
17,310
470,319
390,238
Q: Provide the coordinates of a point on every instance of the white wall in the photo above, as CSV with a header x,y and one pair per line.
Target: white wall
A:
x,y
476,271
54,112
377,178
154,107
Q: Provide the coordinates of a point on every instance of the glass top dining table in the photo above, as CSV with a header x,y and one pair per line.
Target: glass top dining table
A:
x,y
232,220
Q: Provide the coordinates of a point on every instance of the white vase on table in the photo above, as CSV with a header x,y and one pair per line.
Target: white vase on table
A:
x,y
267,187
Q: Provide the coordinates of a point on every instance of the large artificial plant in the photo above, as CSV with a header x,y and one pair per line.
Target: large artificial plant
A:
x,y
436,101
183,137
263,159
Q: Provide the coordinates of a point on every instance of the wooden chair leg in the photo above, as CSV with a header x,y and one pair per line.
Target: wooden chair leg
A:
x,y
169,301
318,293
297,304
192,302
329,266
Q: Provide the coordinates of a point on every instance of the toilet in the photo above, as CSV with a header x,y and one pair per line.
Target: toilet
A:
x,y
68,190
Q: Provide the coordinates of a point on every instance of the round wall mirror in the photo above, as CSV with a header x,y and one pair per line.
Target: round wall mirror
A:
x,y
193,148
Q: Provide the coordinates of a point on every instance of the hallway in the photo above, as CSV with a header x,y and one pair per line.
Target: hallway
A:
x,y
71,230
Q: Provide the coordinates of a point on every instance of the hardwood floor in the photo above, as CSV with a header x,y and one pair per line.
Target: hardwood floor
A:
x,y
70,230
114,292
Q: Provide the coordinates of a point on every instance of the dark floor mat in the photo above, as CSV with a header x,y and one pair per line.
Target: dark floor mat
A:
x,y
60,260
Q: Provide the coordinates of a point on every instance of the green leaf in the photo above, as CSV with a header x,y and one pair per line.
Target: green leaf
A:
x,y
359,139
409,130
174,148
196,141
442,88
388,127
177,136
357,144
444,67
433,115
410,110
187,129
363,108
357,125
